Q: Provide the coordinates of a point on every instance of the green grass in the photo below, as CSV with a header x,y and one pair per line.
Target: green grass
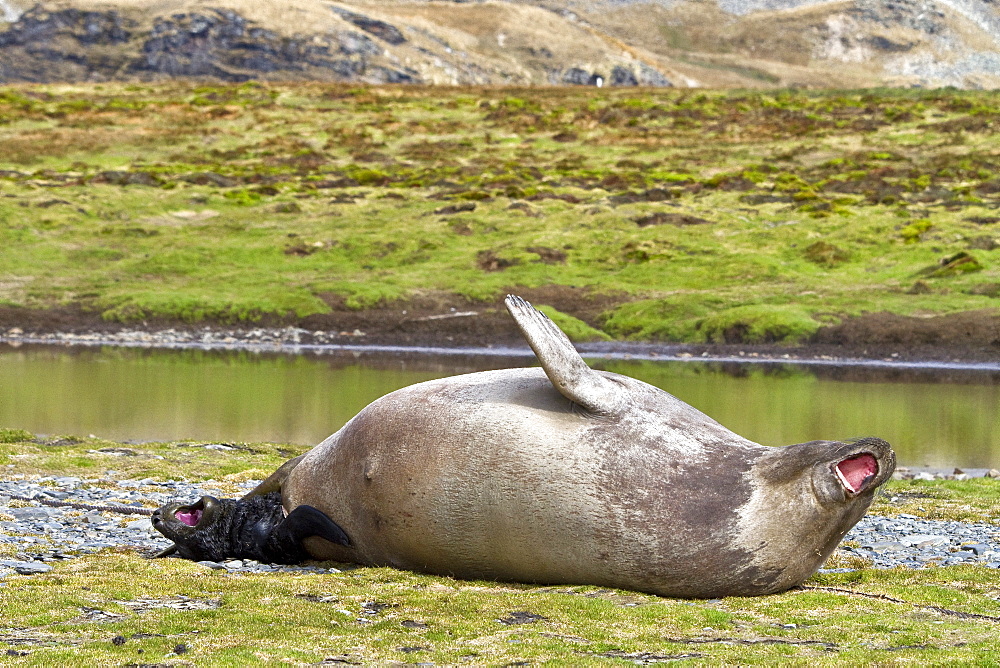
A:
x,y
698,212
575,329
117,608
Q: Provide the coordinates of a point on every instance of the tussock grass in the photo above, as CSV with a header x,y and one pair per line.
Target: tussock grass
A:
x,y
706,215
575,329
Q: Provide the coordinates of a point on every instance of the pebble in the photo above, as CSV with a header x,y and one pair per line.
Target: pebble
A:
x,y
292,339
912,542
25,567
43,534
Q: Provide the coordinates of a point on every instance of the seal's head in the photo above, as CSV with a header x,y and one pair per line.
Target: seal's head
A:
x,y
212,529
806,497
197,529
851,471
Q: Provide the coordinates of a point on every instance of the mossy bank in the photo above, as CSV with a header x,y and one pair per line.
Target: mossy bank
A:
x,y
664,215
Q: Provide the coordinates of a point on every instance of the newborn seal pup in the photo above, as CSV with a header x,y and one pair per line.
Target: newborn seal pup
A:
x,y
569,475
214,529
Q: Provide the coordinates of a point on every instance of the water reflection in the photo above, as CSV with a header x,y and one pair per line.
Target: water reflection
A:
x,y
129,394
932,418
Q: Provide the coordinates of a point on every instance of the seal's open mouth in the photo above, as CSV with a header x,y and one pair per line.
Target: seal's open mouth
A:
x,y
856,472
189,515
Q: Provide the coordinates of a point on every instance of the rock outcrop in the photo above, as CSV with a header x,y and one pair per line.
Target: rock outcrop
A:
x,y
73,45
61,42
716,43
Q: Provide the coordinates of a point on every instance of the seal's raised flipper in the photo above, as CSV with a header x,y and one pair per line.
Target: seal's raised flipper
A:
x,y
562,363
284,542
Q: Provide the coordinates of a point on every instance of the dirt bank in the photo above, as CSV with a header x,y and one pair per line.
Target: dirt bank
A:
x,y
455,321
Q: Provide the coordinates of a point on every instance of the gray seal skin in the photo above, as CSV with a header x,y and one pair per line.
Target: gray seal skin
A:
x,y
569,475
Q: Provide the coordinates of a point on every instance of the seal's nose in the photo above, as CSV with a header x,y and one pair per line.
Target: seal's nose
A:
x,y
882,452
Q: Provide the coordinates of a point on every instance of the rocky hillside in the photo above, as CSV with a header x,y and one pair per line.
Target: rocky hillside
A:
x,y
716,43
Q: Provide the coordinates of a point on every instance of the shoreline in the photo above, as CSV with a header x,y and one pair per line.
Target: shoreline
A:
x,y
298,340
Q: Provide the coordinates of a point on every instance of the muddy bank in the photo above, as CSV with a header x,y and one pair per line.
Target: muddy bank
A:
x,y
456,322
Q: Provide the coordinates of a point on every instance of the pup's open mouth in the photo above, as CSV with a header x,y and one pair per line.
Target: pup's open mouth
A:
x,y
857,472
189,515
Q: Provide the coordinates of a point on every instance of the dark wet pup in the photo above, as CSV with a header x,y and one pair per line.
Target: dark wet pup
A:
x,y
256,527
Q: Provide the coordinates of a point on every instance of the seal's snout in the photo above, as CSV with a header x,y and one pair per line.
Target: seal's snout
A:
x,y
867,463
841,471
857,472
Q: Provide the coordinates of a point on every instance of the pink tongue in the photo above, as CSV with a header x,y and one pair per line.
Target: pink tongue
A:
x,y
857,469
188,517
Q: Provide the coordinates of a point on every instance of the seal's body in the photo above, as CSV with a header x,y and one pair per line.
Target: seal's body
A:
x,y
569,475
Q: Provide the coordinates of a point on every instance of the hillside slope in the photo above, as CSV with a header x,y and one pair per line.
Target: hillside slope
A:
x,y
712,43
866,219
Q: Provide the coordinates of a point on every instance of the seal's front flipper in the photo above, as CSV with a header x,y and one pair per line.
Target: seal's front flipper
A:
x,y
274,482
562,363
306,521
284,543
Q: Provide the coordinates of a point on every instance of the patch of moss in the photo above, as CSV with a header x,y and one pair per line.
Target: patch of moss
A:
x,y
825,254
959,263
577,330
15,435
913,232
972,500
193,308
759,323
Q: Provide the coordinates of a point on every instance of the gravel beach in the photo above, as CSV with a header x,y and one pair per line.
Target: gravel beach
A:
x,y
44,535
293,340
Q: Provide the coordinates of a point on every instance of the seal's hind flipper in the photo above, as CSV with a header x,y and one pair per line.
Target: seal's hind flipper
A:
x,y
303,522
562,363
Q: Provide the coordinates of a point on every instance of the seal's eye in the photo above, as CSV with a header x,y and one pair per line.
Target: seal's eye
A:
x,y
189,515
856,472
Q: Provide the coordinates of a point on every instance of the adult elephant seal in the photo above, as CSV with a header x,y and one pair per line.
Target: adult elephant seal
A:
x,y
568,475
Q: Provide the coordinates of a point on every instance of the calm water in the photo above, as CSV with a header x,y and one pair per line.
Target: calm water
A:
x,y
931,418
